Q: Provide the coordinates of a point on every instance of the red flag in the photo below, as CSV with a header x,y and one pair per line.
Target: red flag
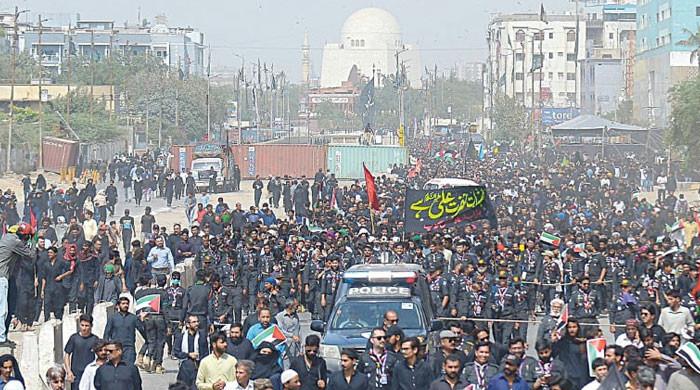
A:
x,y
371,189
32,218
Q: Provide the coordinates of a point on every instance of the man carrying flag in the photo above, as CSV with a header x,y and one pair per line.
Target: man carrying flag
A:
x,y
148,302
372,198
266,331
371,189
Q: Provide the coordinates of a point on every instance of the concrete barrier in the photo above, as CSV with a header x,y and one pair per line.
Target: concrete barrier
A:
x,y
70,326
29,364
51,345
100,314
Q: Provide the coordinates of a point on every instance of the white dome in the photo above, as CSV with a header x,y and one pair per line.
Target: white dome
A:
x,y
371,21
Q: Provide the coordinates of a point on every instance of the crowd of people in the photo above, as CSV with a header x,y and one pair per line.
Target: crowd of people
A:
x,y
578,251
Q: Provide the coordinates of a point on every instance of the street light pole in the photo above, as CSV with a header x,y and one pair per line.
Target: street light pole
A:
x,y
8,169
40,54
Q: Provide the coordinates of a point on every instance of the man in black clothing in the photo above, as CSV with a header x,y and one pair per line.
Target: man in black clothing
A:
x,y
448,343
155,325
117,374
451,380
411,373
257,191
78,350
376,362
196,302
348,378
238,346
122,326
111,194
311,368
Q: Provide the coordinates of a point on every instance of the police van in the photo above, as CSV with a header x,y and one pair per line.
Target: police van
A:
x,y
366,292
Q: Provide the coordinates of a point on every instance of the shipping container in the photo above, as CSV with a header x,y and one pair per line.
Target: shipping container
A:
x,y
181,157
279,160
346,160
104,151
59,153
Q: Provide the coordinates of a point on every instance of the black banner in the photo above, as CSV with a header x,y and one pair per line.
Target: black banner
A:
x,y
430,210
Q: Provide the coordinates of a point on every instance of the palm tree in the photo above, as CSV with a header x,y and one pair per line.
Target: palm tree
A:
x,y
693,41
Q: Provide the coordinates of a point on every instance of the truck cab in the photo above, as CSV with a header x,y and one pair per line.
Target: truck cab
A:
x,y
367,292
206,157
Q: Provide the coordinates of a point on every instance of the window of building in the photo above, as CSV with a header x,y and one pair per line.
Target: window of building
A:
x,y
550,75
560,75
571,36
562,94
539,76
518,76
551,55
551,35
520,36
519,56
570,57
697,11
571,76
611,36
538,36
571,96
362,43
519,96
560,54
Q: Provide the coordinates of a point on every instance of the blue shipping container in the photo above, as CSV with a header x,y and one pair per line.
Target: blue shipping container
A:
x,y
346,160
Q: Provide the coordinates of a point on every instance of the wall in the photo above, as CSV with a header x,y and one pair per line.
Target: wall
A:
x,y
346,160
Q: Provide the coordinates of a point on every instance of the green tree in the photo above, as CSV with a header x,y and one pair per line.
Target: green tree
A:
x,y
693,42
685,117
511,120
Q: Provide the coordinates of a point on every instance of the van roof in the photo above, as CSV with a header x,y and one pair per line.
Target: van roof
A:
x,y
443,182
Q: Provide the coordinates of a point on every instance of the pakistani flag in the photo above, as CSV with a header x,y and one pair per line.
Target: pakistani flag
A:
x,y
272,335
149,303
550,239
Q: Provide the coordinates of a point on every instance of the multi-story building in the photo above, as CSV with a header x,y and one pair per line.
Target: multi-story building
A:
x,y
97,39
535,61
469,71
662,60
608,69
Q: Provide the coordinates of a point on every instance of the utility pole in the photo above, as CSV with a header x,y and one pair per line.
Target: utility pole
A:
x,y
177,92
12,88
92,70
70,72
112,94
209,97
40,54
399,86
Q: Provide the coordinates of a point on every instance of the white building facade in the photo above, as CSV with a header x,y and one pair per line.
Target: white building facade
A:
x,y
519,43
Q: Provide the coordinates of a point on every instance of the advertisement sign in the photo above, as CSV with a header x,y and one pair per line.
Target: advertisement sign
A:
x,y
553,116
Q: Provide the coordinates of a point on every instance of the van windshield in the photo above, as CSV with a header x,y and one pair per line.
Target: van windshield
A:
x,y
367,315
203,166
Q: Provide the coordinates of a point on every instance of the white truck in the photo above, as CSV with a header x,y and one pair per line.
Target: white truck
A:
x,y
207,158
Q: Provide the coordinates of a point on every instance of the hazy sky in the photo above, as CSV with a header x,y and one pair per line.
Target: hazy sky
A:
x,y
447,31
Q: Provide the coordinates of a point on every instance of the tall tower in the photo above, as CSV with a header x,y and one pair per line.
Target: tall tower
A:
x,y
306,61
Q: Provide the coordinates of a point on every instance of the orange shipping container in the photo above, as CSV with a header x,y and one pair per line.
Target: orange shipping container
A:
x,y
59,153
181,157
279,160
